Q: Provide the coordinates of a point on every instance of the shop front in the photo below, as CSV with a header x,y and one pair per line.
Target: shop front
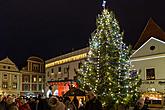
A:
x,y
59,88
155,99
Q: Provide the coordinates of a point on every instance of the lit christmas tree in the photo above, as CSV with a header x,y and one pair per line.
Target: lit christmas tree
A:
x,y
107,70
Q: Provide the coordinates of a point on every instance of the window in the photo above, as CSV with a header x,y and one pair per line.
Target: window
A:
x,y
34,79
66,78
66,69
36,67
26,78
59,69
40,87
79,65
52,70
14,85
5,85
40,79
152,48
150,74
5,76
26,87
8,67
43,78
34,87
15,77
4,67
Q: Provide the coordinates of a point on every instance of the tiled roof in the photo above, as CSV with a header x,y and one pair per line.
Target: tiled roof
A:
x,y
150,30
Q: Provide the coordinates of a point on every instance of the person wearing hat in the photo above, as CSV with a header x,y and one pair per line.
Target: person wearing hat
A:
x,y
55,104
93,103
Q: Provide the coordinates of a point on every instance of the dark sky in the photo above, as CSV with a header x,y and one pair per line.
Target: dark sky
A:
x,y
48,28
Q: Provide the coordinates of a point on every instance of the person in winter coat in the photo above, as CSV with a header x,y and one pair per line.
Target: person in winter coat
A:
x,y
93,103
139,104
146,102
3,104
24,105
55,104
75,102
10,105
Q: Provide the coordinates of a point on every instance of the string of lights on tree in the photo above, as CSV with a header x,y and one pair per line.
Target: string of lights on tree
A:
x,y
107,70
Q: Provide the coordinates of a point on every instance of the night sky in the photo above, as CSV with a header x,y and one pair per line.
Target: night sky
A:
x,y
48,28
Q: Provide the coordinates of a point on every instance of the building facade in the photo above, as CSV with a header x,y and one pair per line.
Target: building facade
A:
x,y
10,77
61,70
33,77
149,60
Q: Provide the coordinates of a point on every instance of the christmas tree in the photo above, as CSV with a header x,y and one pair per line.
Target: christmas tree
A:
x,y
107,70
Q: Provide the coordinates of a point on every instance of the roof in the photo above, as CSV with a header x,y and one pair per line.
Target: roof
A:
x,y
34,58
7,61
75,92
150,30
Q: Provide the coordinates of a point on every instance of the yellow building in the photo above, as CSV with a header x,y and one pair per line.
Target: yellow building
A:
x,y
10,77
33,77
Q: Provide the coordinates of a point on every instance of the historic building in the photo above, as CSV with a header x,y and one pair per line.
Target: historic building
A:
x,y
10,78
61,70
149,60
33,77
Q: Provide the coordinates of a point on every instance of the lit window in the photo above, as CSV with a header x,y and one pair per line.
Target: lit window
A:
x,y
34,79
14,85
40,79
4,85
150,74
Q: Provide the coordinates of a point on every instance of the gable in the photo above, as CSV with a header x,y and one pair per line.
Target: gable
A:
x,y
152,47
7,61
7,65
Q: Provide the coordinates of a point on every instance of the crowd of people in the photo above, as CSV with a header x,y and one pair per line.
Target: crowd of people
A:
x,y
11,102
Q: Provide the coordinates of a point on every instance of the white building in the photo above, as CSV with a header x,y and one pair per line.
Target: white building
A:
x,y
149,58
61,70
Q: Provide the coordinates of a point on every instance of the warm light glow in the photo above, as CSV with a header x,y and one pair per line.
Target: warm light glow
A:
x,y
66,60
